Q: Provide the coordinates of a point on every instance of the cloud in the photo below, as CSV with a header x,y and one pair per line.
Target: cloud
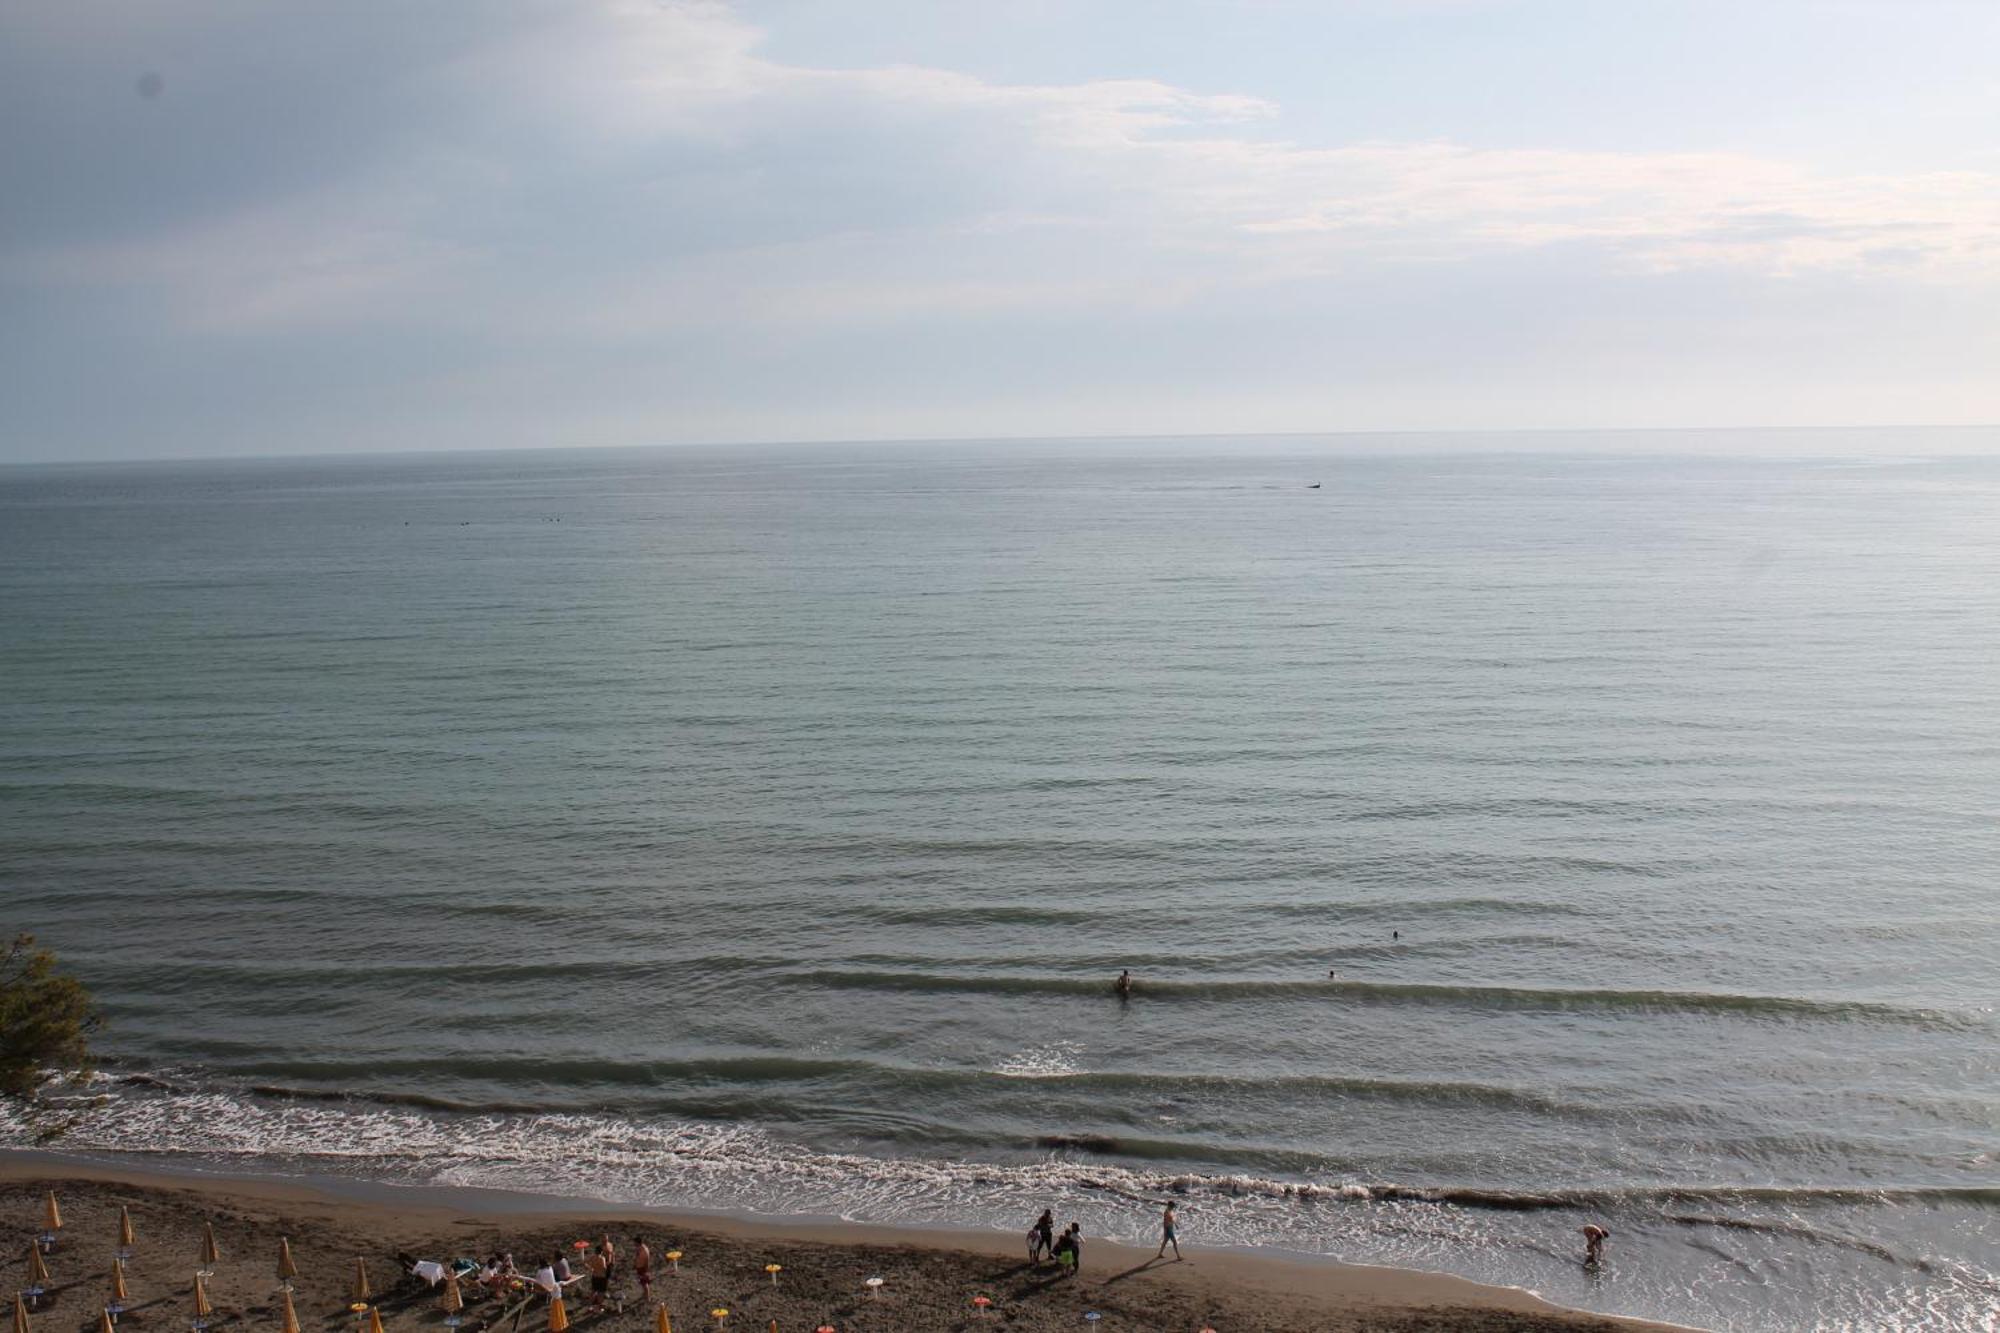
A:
x,y
636,204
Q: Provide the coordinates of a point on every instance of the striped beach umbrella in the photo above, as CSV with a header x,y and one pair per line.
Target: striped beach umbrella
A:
x,y
289,1318
359,1289
558,1316
454,1300
287,1270
202,1308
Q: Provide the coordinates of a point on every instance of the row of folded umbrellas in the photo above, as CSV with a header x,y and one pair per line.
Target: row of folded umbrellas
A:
x,y
211,1254
370,1316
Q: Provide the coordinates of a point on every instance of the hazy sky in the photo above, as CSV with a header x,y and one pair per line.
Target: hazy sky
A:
x,y
233,226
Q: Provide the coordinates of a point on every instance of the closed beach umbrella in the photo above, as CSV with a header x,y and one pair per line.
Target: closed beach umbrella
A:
x,y
453,1302
211,1253
51,1214
287,1270
125,1227
360,1290
663,1322
104,1324
20,1315
290,1317
202,1309
118,1296
374,1319
38,1272
558,1316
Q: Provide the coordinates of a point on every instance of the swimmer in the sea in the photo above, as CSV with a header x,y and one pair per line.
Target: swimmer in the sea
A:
x,y
1122,987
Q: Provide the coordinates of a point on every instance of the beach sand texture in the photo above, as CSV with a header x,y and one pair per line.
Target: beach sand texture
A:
x,y
930,1279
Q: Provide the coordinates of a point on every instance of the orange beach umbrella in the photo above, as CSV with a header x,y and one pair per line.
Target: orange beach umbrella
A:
x,y
287,1270
51,1213
211,1253
202,1308
104,1324
38,1272
20,1315
118,1294
374,1319
290,1317
125,1227
360,1289
662,1321
558,1316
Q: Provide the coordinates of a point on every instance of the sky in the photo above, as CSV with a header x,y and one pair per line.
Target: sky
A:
x,y
231,227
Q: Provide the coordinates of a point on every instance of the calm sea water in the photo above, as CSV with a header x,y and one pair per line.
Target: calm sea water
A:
x,y
1500,842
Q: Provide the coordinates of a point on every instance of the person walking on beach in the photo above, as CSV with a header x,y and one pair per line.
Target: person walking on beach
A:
x,y
1042,1237
642,1268
1167,1234
1594,1237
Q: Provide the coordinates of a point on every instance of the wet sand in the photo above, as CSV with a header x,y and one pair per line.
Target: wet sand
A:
x,y
930,1277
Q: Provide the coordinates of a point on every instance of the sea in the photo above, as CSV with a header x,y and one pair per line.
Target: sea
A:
x,y
1504,835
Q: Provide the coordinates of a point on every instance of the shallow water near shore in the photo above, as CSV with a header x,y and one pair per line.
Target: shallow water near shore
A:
x,y
1501,843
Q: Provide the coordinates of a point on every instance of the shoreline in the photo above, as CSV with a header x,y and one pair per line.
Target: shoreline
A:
x,y
933,1273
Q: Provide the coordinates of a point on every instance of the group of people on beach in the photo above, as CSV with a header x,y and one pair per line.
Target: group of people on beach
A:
x,y
1067,1249
600,1264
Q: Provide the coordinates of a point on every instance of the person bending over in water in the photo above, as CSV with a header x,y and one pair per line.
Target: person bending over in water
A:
x,y
1122,987
1594,1237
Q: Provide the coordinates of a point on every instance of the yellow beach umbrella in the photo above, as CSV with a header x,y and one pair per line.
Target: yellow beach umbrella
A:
x,y
51,1213
374,1319
558,1316
289,1317
202,1308
662,1321
118,1294
454,1300
359,1291
211,1253
38,1272
125,1227
287,1270
20,1315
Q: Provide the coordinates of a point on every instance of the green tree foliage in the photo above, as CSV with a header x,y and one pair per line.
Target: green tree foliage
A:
x,y
45,1018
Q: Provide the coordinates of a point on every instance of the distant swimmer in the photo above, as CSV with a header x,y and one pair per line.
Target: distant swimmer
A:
x,y
1312,486
1395,934
1122,987
1594,1237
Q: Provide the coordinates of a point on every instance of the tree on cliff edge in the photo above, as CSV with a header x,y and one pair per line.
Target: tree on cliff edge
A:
x,y
45,1018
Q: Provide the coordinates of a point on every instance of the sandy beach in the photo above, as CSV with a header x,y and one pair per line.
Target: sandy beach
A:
x,y
930,1279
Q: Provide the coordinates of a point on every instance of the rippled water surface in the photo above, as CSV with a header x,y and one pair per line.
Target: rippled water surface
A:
x,y
1499,842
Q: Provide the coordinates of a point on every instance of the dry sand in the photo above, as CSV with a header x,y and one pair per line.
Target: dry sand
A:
x,y
931,1278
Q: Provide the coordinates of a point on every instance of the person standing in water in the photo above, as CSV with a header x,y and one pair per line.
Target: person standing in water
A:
x,y
1167,1234
1122,987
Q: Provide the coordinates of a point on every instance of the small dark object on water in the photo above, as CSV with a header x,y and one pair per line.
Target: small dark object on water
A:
x,y
1122,987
